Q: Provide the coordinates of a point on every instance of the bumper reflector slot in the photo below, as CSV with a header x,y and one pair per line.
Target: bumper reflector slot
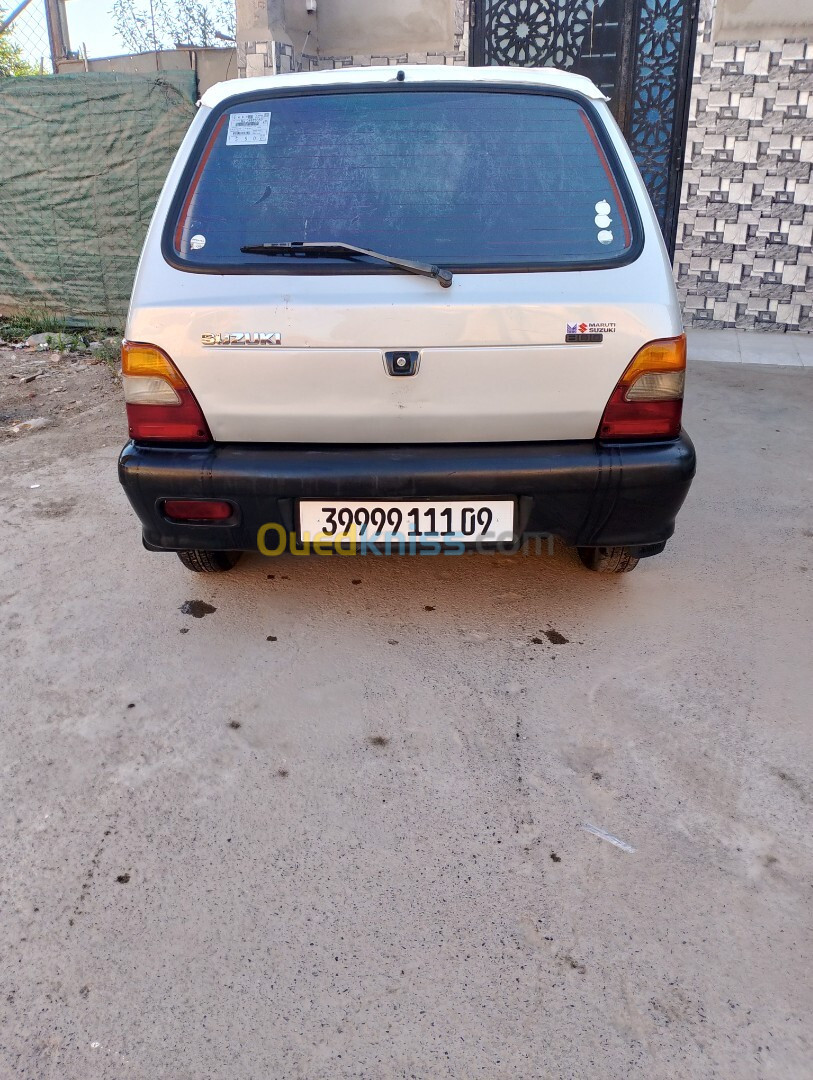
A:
x,y
193,510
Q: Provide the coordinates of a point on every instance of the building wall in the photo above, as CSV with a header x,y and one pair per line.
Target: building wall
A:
x,y
302,27
210,65
386,27
744,255
762,20
343,33
400,50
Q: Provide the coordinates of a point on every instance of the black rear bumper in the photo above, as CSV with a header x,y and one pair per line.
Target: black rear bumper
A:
x,y
586,493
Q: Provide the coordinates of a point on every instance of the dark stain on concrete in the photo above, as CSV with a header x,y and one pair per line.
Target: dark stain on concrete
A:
x,y
794,783
197,609
577,965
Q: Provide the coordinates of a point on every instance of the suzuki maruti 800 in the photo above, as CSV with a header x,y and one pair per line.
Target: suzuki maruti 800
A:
x,y
405,306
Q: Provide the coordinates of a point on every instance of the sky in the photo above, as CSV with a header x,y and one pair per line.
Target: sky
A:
x,y
89,22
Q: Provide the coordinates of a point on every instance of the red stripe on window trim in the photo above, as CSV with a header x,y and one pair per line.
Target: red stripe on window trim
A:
x,y
204,157
606,166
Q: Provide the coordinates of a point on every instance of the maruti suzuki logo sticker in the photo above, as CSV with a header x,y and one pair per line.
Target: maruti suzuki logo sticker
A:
x,y
590,328
246,338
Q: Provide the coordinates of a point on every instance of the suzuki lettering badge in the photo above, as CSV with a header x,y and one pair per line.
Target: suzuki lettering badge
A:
x,y
252,338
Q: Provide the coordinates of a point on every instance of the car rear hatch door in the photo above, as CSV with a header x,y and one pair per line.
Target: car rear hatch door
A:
x,y
520,193
495,362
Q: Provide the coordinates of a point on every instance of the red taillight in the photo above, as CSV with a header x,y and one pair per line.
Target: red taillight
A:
x,y
197,509
160,405
647,402
641,419
169,423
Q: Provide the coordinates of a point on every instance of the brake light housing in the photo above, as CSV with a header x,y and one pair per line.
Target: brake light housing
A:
x,y
647,402
161,408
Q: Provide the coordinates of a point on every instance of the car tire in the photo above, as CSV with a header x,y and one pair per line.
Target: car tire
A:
x,y
608,560
209,562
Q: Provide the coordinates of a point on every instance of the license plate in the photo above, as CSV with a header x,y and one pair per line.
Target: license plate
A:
x,y
469,521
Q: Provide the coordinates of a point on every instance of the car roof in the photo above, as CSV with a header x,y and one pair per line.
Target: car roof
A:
x,y
413,73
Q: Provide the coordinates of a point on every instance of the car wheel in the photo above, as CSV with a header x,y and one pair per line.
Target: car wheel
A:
x,y
209,562
608,560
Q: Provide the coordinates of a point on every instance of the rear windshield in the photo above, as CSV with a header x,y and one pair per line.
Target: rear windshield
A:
x,y
466,179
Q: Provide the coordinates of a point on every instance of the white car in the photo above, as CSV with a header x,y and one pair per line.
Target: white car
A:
x,y
418,308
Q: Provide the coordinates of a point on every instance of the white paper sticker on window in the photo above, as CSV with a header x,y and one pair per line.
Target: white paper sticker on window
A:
x,y
248,129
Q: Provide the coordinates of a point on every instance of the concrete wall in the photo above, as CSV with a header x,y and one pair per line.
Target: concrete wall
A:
x,y
757,20
302,27
385,27
211,65
256,17
349,33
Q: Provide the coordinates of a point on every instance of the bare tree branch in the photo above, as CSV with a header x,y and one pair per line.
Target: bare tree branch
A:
x,y
145,25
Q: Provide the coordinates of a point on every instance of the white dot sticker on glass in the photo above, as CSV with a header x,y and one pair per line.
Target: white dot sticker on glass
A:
x,y
605,237
603,221
197,242
602,207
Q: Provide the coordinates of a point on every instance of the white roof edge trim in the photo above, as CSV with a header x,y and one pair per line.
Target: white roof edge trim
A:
x,y
415,73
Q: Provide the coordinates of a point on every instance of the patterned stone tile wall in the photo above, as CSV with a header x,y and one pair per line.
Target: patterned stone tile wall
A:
x,y
744,254
256,58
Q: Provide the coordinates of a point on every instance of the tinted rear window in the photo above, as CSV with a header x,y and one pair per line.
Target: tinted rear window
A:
x,y
471,178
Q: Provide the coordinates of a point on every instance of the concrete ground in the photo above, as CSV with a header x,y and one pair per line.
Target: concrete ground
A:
x,y
793,349
334,828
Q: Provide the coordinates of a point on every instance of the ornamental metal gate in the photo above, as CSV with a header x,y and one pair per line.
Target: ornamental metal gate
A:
x,y
639,52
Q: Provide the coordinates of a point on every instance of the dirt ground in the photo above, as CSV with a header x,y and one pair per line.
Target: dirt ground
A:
x,y
52,386
325,818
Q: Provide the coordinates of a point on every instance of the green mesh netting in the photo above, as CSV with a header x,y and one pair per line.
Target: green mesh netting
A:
x,y
82,160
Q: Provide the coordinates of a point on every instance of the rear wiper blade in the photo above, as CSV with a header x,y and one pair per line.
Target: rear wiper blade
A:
x,y
338,250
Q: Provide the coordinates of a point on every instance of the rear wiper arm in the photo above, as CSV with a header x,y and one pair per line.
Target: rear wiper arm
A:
x,y
338,250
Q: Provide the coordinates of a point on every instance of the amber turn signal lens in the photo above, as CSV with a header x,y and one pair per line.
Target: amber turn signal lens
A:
x,y
148,361
666,354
